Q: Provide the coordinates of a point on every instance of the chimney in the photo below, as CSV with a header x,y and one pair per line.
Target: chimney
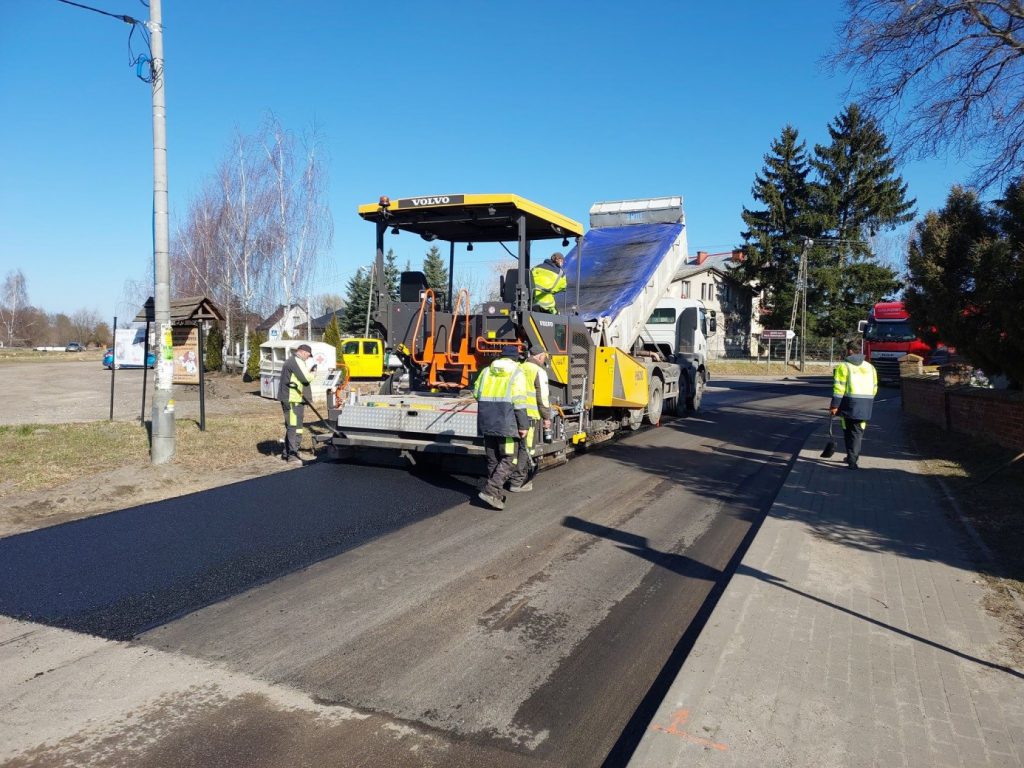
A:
x,y
701,257
738,256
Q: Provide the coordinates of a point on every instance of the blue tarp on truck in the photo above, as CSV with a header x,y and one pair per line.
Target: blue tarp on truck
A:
x,y
618,262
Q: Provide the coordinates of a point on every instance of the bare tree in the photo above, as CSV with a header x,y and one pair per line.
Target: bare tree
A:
x,y
943,74
83,324
302,227
13,303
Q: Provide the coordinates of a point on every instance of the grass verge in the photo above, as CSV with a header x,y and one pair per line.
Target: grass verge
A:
x,y
763,368
987,486
33,457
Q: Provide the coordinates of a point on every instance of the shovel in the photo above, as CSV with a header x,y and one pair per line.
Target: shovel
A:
x,y
830,446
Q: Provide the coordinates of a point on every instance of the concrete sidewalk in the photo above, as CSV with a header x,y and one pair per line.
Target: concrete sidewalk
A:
x,y
852,634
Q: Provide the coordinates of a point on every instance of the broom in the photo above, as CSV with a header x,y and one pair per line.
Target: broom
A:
x,y
830,446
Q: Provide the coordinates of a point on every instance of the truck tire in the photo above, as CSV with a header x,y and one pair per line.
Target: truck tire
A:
x,y
696,393
655,401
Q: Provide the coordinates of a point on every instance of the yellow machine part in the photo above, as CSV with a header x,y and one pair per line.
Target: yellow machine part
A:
x,y
560,367
620,380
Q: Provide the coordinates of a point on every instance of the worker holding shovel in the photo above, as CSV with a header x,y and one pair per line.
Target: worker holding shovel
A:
x,y
854,386
293,391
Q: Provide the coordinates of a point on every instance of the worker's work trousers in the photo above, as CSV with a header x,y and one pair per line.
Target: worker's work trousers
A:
x,y
293,413
853,435
524,459
503,456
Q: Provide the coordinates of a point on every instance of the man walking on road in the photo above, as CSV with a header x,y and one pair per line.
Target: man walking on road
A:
x,y
538,408
293,390
501,395
854,386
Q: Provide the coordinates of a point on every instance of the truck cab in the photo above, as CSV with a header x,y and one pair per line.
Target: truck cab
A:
x,y
890,335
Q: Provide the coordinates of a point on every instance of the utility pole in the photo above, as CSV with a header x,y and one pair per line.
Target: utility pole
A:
x,y
800,302
162,441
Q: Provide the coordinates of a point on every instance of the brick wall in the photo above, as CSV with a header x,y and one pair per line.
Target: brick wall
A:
x,y
994,415
925,398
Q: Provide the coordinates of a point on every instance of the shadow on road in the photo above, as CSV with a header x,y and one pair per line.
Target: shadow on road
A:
x,y
119,574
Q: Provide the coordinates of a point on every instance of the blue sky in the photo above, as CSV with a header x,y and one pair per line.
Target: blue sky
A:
x,y
565,103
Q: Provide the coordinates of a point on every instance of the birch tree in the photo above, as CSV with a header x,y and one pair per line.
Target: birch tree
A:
x,y
301,226
13,303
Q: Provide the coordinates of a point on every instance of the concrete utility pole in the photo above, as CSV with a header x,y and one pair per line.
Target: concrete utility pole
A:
x,y
800,302
163,398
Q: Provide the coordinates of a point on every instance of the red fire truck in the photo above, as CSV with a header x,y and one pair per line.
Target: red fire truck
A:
x,y
888,336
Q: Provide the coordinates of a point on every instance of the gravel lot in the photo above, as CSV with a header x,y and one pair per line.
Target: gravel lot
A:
x,y
69,391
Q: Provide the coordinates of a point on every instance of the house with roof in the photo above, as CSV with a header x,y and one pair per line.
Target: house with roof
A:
x,y
713,278
285,320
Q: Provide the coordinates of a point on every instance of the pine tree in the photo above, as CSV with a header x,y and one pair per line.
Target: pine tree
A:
x,y
857,194
436,272
775,233
357,295
392,274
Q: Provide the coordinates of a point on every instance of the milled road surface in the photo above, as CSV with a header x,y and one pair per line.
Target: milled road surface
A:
x,y
360,616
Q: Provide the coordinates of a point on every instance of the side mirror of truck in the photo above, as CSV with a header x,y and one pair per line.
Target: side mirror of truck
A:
x,y
713,321
861,325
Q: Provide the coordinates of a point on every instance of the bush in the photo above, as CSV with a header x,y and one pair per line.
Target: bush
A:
x,y
252,365
213,358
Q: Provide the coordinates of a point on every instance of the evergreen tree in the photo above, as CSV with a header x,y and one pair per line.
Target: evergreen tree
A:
x,y
332,336
857,194
392,274
213,358
357,296
252,365
775,233
965,270
436,272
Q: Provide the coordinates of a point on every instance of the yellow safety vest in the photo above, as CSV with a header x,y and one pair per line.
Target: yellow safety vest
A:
x,y
500,389
546,284
854,388
533,372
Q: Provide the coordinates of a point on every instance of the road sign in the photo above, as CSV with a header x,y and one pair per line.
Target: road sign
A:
x,y
779,334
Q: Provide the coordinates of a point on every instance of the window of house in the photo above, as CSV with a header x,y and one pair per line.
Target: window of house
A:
x,y
703,290
684,290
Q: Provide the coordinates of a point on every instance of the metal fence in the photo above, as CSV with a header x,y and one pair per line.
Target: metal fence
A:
x,y
746,347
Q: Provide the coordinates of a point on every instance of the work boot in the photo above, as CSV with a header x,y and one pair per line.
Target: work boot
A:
x,y
527,486
491,501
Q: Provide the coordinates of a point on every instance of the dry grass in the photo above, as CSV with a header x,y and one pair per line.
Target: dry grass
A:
x,y
22,355
988,488
764,368
34,457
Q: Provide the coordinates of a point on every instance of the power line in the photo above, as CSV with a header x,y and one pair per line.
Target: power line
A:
x,y
120,17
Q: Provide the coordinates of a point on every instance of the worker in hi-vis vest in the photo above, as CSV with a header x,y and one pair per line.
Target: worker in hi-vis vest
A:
x,y
500,391
548,282
854,386
293,392
538,408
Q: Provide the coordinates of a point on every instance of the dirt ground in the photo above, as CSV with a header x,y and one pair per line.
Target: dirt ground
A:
x,y
63,391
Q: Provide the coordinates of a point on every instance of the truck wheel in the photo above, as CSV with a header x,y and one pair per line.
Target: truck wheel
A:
x,y
655,401
696,393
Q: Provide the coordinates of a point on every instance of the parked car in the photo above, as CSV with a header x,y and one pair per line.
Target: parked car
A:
x,y
74,346
108,360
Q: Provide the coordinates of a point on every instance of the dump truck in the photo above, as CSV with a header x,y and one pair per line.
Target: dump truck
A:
x,y
604,377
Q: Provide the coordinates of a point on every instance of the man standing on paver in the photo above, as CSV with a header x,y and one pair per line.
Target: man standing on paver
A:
x,y
854,386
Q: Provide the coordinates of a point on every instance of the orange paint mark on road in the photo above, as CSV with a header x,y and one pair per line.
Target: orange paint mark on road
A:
x,y
675,728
